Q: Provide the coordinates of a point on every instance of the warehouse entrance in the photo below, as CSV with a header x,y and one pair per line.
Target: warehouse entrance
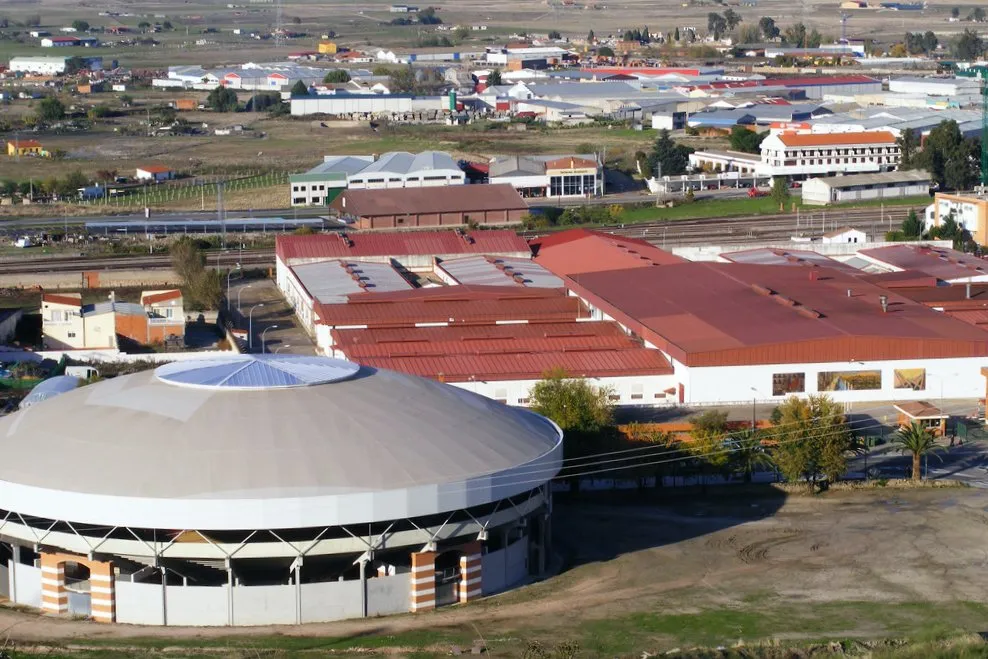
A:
x,y
78,586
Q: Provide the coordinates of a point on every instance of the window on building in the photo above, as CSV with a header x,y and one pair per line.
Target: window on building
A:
x,y
322,187
294,188
788,383
524,401
910,378
501,396
56,316
637,392
71,335
614,397
169,312
849,380
298,200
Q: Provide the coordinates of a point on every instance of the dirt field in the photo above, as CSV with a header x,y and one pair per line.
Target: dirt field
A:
x,y
850,565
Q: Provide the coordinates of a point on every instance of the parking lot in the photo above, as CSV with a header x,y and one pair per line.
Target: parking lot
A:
x,y
274,325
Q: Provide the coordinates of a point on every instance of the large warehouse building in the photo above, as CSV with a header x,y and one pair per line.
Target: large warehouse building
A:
x,y
176,496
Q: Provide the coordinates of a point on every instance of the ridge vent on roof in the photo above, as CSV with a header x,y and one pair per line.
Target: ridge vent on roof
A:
x,y
782,299
762,290
809,313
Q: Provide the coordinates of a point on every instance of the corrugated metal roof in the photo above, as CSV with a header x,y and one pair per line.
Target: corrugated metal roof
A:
x,y
708,314
499,271
776,256
256,372
585,250
398,244
470,333
945,264
837,139
438,305
330,282
124,308
529,366
442,199
503,346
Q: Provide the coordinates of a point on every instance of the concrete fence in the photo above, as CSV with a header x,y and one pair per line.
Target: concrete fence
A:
x,y
505,568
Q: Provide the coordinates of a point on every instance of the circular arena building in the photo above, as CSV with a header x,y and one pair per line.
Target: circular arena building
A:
x,y
272,489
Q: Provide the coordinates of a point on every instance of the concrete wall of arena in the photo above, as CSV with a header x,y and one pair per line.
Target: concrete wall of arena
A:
x,y
24,584
505,568
151,604
4,581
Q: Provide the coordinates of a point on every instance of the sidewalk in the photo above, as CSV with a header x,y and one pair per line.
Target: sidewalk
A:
x,y
287,337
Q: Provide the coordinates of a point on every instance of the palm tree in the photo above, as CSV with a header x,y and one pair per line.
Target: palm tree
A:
x,y
917,440
747,453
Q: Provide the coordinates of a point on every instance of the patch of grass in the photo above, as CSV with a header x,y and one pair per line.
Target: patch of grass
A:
x,y
762,621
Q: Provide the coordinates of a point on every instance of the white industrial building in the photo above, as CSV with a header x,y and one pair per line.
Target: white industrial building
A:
x,y
390,494
400,169
551,176
321,184
48,66
367,104
859,187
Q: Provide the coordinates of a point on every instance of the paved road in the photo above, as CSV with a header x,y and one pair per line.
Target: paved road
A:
x,y
285,335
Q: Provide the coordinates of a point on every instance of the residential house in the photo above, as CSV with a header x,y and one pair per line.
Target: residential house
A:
x,y
24,148
67,324
154,173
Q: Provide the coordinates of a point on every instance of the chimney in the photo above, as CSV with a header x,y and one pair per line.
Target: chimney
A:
x,y
813,275
113,296
849,292
884,301
967,293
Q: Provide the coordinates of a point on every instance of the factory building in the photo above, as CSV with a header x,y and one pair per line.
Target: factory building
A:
x,y
324,182
450,206
858,187
550,176
391,494
743,331
400,169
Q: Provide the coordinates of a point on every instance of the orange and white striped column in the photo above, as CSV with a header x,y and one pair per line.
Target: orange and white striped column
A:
x,y
470,572
54,597
102,595
423,595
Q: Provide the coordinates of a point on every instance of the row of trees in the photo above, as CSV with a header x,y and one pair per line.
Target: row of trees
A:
x,y
202,287
953,161
810,438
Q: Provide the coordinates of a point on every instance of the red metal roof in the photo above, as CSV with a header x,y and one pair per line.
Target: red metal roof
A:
x,y
585,250
72,299
976,317
837,139
529,366
453,305
439,348
155,169
161,297
719,314
815,81
471,333
399,243
414,201
945,264
25,144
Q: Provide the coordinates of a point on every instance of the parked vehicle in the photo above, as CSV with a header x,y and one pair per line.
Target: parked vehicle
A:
x,y
755,192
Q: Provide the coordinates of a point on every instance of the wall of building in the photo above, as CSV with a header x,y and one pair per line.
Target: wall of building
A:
x,y
505,568
66,333
27,589
492,217
4,581
334,600
958,378
99,331
969,212
54,281
388,595
631,390
260,605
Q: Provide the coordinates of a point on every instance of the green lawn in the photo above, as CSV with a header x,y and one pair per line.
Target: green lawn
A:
x,y
744,207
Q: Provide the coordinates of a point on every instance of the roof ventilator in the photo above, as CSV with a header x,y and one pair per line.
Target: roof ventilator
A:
x,y
345,239
884,301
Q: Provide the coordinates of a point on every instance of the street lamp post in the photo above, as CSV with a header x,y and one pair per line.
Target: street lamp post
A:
x,y
263,340
228,286
239,291
754,399
250,325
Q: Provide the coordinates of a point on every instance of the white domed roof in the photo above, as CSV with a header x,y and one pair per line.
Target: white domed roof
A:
x,y
275,441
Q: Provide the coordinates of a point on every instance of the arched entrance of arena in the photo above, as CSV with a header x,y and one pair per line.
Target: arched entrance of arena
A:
x,y
78,587
73,584
447,571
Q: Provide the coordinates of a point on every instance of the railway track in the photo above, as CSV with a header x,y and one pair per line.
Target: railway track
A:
x,y
753,229
252,258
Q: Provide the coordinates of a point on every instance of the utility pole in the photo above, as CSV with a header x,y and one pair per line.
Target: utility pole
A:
x,y
219,211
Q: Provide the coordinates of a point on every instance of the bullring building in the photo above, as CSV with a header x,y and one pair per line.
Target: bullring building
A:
x,y
273,489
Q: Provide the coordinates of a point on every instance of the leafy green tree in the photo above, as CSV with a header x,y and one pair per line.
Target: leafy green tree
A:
x,y
203,287
746,141
951,160
573,403
810,439
665,452
950,229
50,109
143,26
222,99
968,46
336,76
716,25
912,226
780,191
795,35
908,142
591,37
605,51
554,34
428,16
299,89
74,65
748,454
768,27
667,157
917,441
99,112
676,35
977,15
402,80
732,18
69,186
955,12
167,26
494,78
814,39
80,26
707,441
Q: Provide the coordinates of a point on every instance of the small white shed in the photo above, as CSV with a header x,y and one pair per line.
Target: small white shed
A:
x,y
845,235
